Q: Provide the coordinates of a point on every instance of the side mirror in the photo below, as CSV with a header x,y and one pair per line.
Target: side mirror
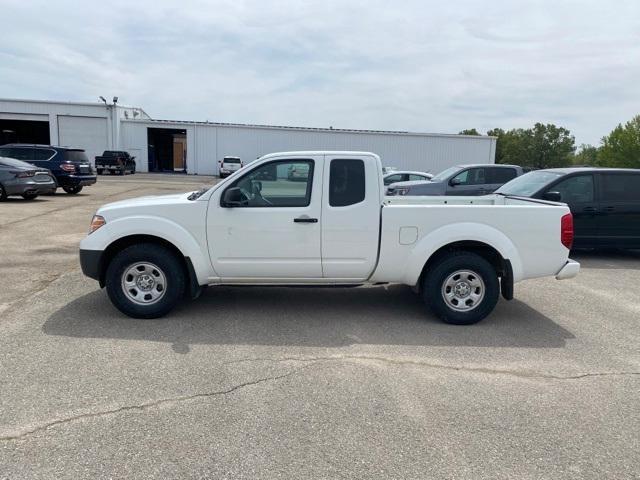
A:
x,y
454,181
233,197
552,196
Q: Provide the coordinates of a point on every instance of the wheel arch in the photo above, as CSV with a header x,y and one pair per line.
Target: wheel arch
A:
x,y
121,243
502,266
483,240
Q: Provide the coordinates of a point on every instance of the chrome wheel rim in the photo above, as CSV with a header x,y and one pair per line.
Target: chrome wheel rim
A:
x,y
144,283
463,290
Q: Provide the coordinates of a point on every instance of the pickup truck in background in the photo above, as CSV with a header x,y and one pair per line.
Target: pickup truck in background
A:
x,y
229,165
334,227
462,180
115,162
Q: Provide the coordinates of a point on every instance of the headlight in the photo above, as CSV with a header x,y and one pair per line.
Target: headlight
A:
x,y
96,222
402,191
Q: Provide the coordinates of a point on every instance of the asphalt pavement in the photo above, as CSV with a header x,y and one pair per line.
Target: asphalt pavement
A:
x,y
306,383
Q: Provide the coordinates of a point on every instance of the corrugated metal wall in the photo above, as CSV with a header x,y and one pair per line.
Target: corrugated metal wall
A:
x,y
207,144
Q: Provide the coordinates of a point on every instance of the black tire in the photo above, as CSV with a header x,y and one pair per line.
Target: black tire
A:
x,y
30,196
3,194
478,277
72,190
167,265
133,170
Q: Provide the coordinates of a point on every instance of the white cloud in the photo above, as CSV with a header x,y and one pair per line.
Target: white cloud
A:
x,y
422,66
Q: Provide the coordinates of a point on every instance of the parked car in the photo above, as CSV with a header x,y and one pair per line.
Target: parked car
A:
x,y
386,170
335,229
605,202
115,161
70,166
228,165
405,176
460,180
23,179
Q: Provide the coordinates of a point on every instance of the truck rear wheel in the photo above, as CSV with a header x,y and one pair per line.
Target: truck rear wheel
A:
x,y
145,280
461,288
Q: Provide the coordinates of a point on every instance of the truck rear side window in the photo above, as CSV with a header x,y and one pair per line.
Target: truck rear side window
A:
x,y
76,156
346,182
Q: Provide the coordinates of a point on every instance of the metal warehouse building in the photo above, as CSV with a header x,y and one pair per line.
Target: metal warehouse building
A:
x,y
197,147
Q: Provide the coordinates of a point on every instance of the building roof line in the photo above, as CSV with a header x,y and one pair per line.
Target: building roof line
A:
x,y
64,102
316,129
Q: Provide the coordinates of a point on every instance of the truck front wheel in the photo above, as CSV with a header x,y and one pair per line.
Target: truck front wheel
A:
x,y
461,288
145,280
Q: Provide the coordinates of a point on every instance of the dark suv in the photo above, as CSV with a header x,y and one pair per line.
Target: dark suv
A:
x,y
70,166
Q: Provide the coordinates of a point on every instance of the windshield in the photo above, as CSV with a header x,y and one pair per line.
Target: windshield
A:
x,y
12,162
529,183
231,160
442,176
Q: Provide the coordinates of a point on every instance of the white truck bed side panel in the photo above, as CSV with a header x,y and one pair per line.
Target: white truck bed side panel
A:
x,y
511,230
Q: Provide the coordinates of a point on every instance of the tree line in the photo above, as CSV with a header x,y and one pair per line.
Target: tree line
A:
x,y
548,146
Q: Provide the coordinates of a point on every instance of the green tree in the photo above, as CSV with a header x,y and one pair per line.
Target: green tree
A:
x,y
469,131
587,155
621,148
542,146
551,146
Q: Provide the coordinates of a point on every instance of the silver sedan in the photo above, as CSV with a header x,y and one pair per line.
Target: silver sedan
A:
x,y
19,178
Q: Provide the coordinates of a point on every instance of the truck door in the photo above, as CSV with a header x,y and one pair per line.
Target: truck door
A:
x,y
269,230
350,217
471,181
619,209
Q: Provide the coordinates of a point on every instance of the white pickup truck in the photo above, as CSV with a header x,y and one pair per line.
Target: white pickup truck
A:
x,y
330,226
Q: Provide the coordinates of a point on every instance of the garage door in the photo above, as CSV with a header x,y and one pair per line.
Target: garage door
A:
x,y
89,133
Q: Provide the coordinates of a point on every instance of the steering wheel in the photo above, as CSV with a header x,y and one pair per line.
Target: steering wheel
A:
x,y
257,193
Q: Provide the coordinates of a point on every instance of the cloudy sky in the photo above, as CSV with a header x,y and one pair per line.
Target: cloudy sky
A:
x,y
437,66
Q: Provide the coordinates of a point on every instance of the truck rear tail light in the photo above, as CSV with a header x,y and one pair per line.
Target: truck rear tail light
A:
x,y
68,167
24,174
566,230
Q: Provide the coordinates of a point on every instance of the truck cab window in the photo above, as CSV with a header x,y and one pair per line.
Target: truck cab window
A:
x,y
346,182
472,176
276,184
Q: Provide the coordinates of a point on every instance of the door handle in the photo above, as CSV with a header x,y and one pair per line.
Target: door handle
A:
x,y
610,208
305,219
590,210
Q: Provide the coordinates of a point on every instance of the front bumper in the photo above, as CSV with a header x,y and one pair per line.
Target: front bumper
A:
x,y
90,263
570,270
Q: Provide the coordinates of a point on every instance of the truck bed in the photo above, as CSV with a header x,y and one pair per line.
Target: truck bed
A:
x,y
415,227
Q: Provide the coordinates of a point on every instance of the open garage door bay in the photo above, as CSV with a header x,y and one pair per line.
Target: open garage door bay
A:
x,y
89,133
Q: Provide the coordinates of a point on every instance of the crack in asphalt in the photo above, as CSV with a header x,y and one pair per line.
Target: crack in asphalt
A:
x,y
145,406
491,371
311,362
